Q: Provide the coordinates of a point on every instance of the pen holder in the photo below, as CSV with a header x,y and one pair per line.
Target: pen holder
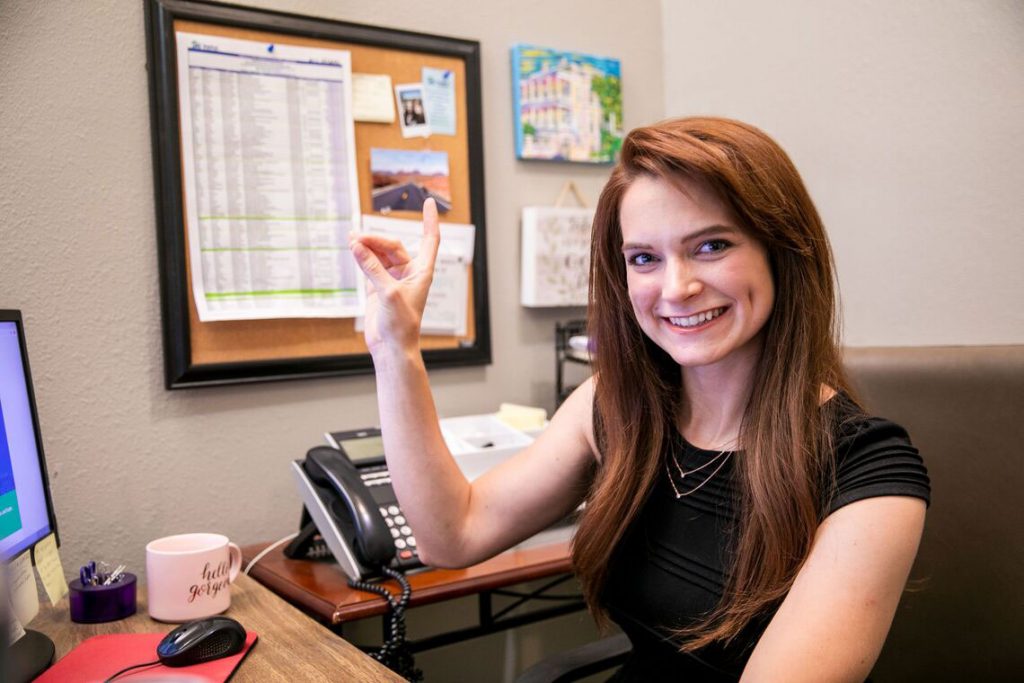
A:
x,y
95,604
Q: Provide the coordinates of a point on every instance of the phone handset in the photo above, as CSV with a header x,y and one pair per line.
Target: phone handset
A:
x,y
349,518
328,467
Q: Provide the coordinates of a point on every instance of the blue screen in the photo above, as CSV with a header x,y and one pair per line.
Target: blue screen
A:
x,y
24,519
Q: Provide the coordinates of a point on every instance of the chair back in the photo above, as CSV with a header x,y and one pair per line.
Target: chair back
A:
x,y
962,617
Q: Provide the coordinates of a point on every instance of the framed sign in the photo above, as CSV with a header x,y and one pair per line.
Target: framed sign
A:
x,y
273,138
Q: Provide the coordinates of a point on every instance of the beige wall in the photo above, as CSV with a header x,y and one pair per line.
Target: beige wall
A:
x,y
130,461
906,120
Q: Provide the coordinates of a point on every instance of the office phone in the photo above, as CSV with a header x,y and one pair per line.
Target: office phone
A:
x,y
349,503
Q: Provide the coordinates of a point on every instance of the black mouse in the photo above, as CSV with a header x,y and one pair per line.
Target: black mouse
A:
x,y
200,641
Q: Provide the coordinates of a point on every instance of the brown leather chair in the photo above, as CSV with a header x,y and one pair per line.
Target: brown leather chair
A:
x,y
963,616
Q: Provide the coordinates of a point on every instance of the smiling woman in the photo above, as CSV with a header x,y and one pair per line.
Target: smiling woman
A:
x,y
701,288
735,490
728,433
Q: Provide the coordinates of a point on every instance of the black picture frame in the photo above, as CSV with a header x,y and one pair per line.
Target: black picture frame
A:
x,y
180,370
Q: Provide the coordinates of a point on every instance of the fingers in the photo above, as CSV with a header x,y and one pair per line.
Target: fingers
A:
x,y
371,266
391,252
431,233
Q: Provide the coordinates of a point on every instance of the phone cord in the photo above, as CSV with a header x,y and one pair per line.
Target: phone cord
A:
x,y
394,653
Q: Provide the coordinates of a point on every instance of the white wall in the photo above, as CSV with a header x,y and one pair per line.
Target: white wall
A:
x,y
906,120
130,461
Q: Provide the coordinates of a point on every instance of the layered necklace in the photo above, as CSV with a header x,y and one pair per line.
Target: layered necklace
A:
x,y
721,459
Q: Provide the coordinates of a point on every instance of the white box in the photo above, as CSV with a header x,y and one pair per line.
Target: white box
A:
x,y
480,442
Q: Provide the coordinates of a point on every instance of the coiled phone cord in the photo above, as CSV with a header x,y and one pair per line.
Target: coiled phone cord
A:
x,y
394,653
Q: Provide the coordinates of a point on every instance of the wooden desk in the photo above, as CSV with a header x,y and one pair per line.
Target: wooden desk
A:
x,y
291,646
320,588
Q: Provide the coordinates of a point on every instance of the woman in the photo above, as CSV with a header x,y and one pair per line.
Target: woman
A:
x,y
744,518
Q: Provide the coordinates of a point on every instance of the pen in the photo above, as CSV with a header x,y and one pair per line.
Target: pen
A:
x,y
114,576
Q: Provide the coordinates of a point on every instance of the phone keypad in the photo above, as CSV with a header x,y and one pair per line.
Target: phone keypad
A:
x,y
401,534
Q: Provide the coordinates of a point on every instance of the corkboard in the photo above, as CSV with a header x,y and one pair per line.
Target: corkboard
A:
x,y
252,350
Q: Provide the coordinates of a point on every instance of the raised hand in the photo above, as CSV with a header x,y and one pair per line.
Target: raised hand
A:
x,y
398,284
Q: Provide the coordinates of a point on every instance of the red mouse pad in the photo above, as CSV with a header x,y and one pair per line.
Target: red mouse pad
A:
x,y
100,657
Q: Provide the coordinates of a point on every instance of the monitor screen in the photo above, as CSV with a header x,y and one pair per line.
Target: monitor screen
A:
x,y
25,510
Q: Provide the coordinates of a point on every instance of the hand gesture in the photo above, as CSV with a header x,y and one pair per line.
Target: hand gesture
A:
x,y
398,285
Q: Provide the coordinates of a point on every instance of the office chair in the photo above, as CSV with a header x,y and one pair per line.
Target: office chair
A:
x,y
579,662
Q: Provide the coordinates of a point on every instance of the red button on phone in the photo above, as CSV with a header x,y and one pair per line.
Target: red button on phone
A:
x,y
405,554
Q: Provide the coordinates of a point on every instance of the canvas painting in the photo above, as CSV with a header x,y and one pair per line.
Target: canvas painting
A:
x,y
568,105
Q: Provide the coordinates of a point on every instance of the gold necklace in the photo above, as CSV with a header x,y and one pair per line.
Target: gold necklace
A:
x,y
722,455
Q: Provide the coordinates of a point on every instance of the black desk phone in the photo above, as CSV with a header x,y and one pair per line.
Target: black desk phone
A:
x,y
349,502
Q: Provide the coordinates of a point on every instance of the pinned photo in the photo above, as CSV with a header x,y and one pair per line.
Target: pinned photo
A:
x,y
403,179
411,111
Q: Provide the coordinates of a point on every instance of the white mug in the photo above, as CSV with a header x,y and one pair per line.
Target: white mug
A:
x,y
189,576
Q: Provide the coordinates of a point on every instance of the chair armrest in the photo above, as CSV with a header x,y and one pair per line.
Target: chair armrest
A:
x,y
579,662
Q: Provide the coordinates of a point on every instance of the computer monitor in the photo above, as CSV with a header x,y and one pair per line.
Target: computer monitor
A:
x,y
26,510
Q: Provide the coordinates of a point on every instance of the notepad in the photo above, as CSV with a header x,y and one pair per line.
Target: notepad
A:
x,y
99,657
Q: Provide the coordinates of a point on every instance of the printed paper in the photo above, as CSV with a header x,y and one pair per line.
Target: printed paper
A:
x,y
271,193
446,310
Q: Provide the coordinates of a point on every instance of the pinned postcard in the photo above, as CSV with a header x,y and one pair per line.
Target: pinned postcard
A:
x,y
404,178
411,112
371,98
446,312
439,100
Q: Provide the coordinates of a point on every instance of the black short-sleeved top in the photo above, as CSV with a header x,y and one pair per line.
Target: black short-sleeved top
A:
x,y
669,569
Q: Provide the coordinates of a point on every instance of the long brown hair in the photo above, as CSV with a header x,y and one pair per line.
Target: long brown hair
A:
x,y
785,431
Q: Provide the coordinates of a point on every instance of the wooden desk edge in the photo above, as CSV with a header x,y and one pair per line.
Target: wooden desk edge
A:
x,y
291,641
448,584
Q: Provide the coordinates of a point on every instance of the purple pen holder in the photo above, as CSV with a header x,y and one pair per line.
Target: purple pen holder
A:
x,y
95,604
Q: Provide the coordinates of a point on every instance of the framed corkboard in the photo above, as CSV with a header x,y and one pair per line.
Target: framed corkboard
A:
x,y
203,352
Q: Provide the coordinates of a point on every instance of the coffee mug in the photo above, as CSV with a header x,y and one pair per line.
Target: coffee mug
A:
x,y
189,576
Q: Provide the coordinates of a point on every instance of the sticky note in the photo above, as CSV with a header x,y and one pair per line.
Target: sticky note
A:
x,y
22,583
51,571
522,417
371,98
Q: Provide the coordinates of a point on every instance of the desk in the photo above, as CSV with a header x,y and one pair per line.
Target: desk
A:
x,y
291,646
321,590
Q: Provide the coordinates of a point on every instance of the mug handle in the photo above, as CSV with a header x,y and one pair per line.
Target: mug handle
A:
x,y
235,553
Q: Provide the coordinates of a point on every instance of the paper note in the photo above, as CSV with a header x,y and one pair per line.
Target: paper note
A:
x,y
51,571
371,98
439,100
22,583
13,627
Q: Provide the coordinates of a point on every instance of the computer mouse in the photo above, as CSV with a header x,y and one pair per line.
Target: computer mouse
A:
x,y
200,641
